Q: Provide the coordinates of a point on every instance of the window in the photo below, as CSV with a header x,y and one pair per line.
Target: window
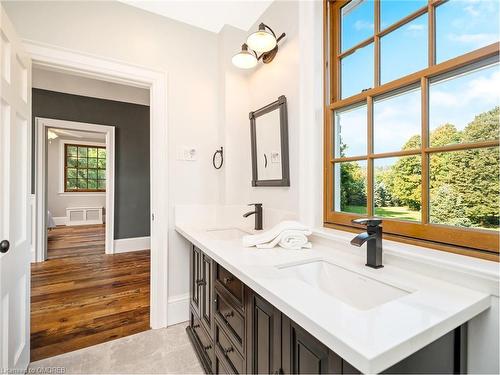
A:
x,y
412,120
84,168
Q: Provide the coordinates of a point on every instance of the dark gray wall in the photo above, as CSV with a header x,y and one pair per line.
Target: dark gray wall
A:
x,y
131,122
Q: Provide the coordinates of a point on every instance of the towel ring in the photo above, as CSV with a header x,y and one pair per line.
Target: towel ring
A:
x,y
221,152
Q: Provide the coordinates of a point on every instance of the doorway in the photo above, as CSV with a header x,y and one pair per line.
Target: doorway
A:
x,y
82,292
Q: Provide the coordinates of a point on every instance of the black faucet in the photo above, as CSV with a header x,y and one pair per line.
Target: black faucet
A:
x,y
373,236
257,213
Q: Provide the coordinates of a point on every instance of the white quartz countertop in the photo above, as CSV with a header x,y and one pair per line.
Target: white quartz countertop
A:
x,y
371,339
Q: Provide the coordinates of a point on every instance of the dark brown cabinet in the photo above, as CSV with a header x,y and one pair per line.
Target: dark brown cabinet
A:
x,y
195,274
264,336
236,331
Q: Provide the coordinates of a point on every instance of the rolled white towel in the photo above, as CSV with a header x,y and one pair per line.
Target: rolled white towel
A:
x,y
271,234
289,239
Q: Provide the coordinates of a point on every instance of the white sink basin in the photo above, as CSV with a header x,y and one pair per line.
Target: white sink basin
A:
x,y
354,289
226,234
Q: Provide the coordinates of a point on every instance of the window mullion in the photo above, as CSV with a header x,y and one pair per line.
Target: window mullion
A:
x,y
376,43
369,162
425,156
431,44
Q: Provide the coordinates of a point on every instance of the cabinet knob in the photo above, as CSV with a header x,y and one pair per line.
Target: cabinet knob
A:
x,y
4,246
228,350
228,280
228,314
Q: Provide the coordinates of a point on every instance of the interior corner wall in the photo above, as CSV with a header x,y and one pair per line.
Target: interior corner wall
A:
x,y
187,54
247,91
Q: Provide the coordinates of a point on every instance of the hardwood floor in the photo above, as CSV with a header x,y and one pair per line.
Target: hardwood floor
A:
x,y
82,297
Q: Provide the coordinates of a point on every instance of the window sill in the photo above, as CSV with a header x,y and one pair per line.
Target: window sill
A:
x,y
82,194
467,271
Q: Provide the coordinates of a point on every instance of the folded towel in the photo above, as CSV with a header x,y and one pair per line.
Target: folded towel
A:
x,y
271,234
289,239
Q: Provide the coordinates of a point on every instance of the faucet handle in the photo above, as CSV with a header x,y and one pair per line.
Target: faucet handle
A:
x,y
255,204
368,221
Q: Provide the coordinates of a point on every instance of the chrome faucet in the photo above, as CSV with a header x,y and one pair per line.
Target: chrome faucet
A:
x,y
373,236
257,213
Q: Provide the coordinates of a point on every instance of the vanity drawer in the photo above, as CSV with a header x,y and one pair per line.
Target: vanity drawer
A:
x,y
230,283
221,366
203,338
230,319
229,352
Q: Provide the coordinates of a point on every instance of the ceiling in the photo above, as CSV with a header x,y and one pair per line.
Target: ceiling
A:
x,y
78,135
208,15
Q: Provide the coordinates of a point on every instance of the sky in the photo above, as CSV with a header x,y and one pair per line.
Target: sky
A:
x,y
462,26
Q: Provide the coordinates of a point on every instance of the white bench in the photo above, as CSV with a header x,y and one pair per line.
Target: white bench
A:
x,y
83,215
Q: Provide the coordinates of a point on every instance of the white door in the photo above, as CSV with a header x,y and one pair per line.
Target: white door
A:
x,y
15,222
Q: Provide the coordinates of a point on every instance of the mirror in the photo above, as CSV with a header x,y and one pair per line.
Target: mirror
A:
x,y
269,133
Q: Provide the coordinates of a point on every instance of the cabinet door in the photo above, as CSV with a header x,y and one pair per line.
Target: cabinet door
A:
x,y
264,338
195,276
206,306
304,354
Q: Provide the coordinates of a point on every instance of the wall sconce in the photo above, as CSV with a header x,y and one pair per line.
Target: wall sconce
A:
x,y
262,41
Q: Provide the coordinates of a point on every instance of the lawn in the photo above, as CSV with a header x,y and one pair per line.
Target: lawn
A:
x,y
402,213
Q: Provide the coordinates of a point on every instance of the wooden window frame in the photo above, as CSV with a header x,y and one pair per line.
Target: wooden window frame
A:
x,y
474,242
66,190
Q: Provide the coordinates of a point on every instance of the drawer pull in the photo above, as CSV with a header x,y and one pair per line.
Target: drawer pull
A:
x,y
201,282
228,280
229,314
228,350
208,347
196,326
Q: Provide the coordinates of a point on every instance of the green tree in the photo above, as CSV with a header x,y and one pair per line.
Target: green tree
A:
x,y
353,188
405,177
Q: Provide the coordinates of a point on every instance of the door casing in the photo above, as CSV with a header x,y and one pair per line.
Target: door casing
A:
x,y
103,68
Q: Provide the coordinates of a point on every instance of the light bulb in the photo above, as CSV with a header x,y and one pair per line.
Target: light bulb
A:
x,y
261,40
244,59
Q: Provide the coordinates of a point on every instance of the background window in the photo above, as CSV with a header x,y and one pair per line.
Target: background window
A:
x,y
84,168
412,139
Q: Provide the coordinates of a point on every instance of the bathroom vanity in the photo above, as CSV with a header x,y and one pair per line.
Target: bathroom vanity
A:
x,y
278,311
234,330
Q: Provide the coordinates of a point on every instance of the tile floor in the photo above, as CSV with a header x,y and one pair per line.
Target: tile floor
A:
x,y
158,351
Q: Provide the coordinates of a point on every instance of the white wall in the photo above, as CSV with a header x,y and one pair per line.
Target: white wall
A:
x,y
189,56
77,85
58,201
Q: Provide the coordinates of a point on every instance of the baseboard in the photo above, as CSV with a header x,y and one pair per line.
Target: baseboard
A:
x,y
60,220
125,245
178,309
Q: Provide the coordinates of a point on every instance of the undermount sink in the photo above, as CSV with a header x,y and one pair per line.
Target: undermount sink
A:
x,y
354,289
226,234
